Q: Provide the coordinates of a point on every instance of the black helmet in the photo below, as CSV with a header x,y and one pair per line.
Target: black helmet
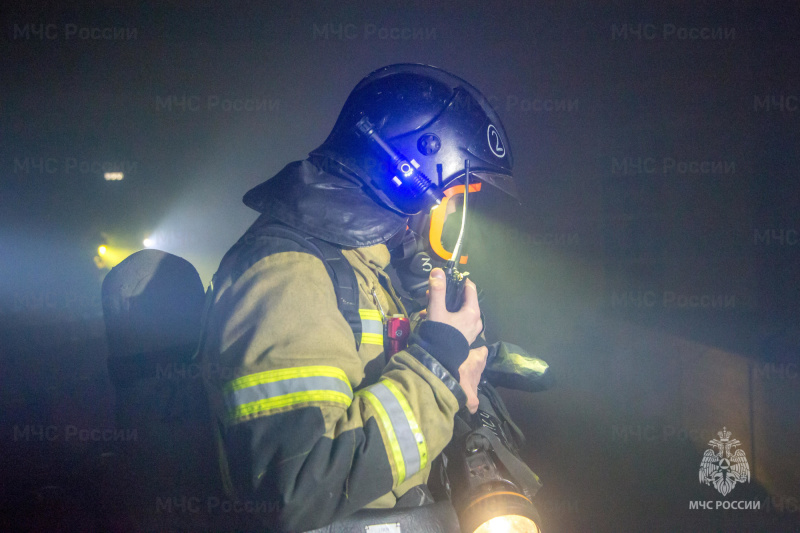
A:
x,y
406,130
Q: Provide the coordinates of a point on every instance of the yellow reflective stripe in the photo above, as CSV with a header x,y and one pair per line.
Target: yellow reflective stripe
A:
x,y
386,422
533,363
286,373
288,400
371,327
370,314
372,338
419,437
285,387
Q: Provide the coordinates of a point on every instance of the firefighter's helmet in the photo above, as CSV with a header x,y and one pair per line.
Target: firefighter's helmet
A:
x,y
406,131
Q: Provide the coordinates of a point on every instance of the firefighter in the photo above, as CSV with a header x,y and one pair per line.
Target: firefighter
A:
x,y
314,420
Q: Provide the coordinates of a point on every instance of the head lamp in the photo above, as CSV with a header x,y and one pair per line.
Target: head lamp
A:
x,y
409,186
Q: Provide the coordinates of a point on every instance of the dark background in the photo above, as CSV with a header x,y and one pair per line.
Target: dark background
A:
x,y
653,261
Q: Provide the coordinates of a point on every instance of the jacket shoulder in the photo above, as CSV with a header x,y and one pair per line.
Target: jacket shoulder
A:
x,y
264,238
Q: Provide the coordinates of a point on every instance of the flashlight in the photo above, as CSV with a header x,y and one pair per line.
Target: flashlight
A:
x,y
492,488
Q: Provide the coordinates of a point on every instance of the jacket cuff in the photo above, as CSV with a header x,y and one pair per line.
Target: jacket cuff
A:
x,y
439,371
445,343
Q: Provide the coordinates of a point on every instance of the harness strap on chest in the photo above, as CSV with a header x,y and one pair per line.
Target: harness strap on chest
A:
x,y
344,283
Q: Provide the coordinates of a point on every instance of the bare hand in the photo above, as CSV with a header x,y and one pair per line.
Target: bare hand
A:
x,y
470,372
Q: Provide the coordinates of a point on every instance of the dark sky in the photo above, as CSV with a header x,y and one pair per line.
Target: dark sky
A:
x,y
656,153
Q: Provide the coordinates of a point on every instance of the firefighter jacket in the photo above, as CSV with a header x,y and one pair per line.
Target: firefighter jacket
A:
x,y
312,429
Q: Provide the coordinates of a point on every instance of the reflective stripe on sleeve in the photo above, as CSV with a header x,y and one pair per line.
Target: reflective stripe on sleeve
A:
x,y
406,441
285,387
371,327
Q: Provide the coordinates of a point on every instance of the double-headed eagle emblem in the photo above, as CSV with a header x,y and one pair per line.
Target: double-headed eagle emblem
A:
x,y
722,468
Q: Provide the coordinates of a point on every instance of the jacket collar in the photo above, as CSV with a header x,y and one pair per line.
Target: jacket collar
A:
x,y
328,206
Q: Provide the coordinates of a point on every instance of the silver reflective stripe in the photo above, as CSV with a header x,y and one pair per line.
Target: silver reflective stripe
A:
x,y
282,387
391,527
402,428
371,326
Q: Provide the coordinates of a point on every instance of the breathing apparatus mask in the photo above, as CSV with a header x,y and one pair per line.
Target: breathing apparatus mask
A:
x,y
432,238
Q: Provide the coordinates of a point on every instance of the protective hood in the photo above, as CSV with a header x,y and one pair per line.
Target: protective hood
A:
x,y
326,205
